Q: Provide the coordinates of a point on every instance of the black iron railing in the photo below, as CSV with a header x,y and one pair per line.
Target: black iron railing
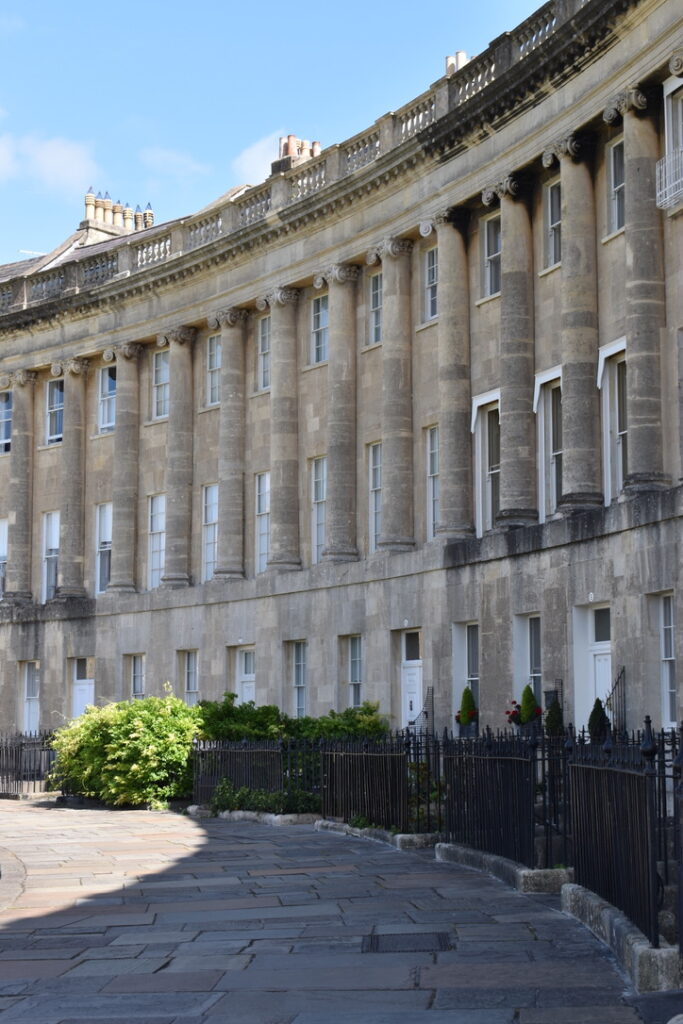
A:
x,y
25,762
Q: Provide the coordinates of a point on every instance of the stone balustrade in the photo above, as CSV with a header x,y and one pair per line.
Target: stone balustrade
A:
x,y
100,268
254,206
156,250
205,230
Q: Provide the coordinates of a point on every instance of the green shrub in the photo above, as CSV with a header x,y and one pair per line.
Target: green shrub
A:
x,y
467,715
598,722
226,720
554,719
529,709
227,798
134,752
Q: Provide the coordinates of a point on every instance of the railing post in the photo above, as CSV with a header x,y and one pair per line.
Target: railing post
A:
x,y
678,834
648,750
568,754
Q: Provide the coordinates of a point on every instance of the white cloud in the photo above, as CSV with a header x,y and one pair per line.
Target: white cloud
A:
x,y
252,165
172,163
9,167
60,165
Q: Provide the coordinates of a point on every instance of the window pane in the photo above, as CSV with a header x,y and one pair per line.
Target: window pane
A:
x,y
412,646
602,625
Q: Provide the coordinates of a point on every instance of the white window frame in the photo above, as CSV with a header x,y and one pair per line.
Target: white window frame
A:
x,y
552,217
103,540
190,670
161,384
616,186
318,507
209,530
355,658
375,299
466,660
549,440
320,328
614,418
54,411
535,657
106,399
299,674
4,534
673,114
262,520
6,403
156,521
50,567
667,654
136,668
245,673
431,284
30,680
433,487
263,333
374,495
490,257
484,473
213,370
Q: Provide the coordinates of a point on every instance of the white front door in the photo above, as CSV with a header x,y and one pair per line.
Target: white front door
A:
x,y
82,688
411,677
82,694
593,667
246,675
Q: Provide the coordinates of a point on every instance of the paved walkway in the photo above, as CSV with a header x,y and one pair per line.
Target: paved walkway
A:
x,y
147,918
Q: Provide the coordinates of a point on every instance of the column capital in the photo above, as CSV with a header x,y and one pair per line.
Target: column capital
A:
x,y
223,318
337,273
179,335
23,377
629,99
393,247
277,297
131,350
109,355
435,221
676,62
77,367
509,186
570,146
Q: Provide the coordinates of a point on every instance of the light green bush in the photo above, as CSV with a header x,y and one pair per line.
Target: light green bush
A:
x,y
134,752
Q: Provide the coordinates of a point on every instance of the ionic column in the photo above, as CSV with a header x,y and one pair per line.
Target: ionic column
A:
x,y
71,525
230,564
284,430
178,457
517,421
581,481
18,577
397,395
340,525
453,344
645,299
125,467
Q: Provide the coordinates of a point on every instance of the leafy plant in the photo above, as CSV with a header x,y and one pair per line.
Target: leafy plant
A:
x,y
227,797
598,722
132,752
227,720
468,709
525,712
554,719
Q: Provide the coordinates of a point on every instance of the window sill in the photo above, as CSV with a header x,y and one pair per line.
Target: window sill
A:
x,y
487,298
153,423
260,393
48,447
369,348
611,235
209,408
314,366
550,270
101,433
426,323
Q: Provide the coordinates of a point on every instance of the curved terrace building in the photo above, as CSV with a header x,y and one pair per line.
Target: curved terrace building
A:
x,y
403,417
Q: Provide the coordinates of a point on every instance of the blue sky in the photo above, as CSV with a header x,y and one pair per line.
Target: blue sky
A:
x,y
174,103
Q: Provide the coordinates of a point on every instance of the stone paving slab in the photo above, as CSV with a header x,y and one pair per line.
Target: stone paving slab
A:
x,y
152,918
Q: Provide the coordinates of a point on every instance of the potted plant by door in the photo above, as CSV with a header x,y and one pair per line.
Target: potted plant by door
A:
x,y
468,715
526,713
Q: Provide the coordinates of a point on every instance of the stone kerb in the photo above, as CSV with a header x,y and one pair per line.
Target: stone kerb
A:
x,y
527,880
650,969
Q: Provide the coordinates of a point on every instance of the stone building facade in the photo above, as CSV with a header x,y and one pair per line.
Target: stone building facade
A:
x,y
404,416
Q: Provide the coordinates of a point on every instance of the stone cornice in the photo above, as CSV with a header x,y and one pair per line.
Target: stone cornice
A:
x,y
574,42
